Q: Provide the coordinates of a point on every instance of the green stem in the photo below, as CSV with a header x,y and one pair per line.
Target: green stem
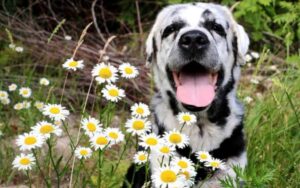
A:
x,y
53,163
27,172
100,160
39,168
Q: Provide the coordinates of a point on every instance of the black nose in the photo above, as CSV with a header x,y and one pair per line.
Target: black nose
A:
x,y
193,40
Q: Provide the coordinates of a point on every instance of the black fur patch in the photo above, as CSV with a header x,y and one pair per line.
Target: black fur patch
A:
x,y
160,126
170,77
154,54
173,103
174,27
135,175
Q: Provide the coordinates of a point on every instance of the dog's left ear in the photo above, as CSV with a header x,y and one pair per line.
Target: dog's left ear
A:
x,y
242,43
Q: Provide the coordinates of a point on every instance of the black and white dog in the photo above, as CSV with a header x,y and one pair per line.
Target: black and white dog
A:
x,y
195,51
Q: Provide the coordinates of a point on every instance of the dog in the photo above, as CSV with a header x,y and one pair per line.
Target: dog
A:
x,y
195,51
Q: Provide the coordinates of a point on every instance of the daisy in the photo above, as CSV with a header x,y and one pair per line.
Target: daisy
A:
x,y
19,49
5,101
254,81
114,135
3,94
58,123
55,111
12,87
91,126
19,106
140,157
45,128
23,162
203,156
71,64
255,55
189,176
149,140
137,126
29,141
248,58
182,163
176,138
39,105
128,71
99,141
215,164
25,92
186,118
165,150
26,104
68,37
12,46
83,152
113,93
44,81
248,99
140,110
104,73
167,177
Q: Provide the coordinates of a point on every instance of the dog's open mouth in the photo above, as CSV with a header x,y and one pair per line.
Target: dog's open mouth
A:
x,y
195,85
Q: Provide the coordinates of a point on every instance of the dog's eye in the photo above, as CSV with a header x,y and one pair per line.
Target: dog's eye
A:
x,y
170,29
218,28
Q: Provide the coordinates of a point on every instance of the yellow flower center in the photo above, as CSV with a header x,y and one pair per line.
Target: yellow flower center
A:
x,y
73,64
164,149
175,138
186,174
142,157
128,70
25,92
84,152
138,125
101,140
203,156
151,141
214,164
140,110
39,105
186,118
30,140
91,126
113,92
105,73
54,110
182,164
24,161
2,95
168,176
45,129
113,135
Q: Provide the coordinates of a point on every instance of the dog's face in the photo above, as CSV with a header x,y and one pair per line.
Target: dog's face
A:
x,y
195,50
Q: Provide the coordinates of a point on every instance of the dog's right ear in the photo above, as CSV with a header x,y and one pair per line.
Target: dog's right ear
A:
x,y
151,48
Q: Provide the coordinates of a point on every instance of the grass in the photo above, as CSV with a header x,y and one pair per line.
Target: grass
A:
x,y
272,125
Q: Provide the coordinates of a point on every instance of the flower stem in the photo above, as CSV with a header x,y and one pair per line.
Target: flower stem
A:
x,y
123,152
53,163
27,173
39,168
100,160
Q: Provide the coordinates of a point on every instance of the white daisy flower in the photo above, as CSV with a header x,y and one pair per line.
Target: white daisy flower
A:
x,y
25,92
68,37
71,64
12,87
91,126
128,71
45,128
189,176
3,94
164,149
26,104
12,46
248,58
182,163
83,152
137,126
248,99
140,157
19,49
186,118
167,177
114,135
203,156
176,138
104,73
39,105
19,106
254,81
255,55
28,141
44,81
5,101
99,141
113,93
55,111
140,110
215,164
23,162
149,141
58,123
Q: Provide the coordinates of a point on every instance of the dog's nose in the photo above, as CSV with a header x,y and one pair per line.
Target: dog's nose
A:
x,y
193,40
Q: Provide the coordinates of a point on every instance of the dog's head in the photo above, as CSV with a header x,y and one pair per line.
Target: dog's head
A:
x,y
195,51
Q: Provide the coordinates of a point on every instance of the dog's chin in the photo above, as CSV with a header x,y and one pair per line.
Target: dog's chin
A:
x,y
195,85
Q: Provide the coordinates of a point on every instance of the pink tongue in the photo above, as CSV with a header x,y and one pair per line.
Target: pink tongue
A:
x,y
197,90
